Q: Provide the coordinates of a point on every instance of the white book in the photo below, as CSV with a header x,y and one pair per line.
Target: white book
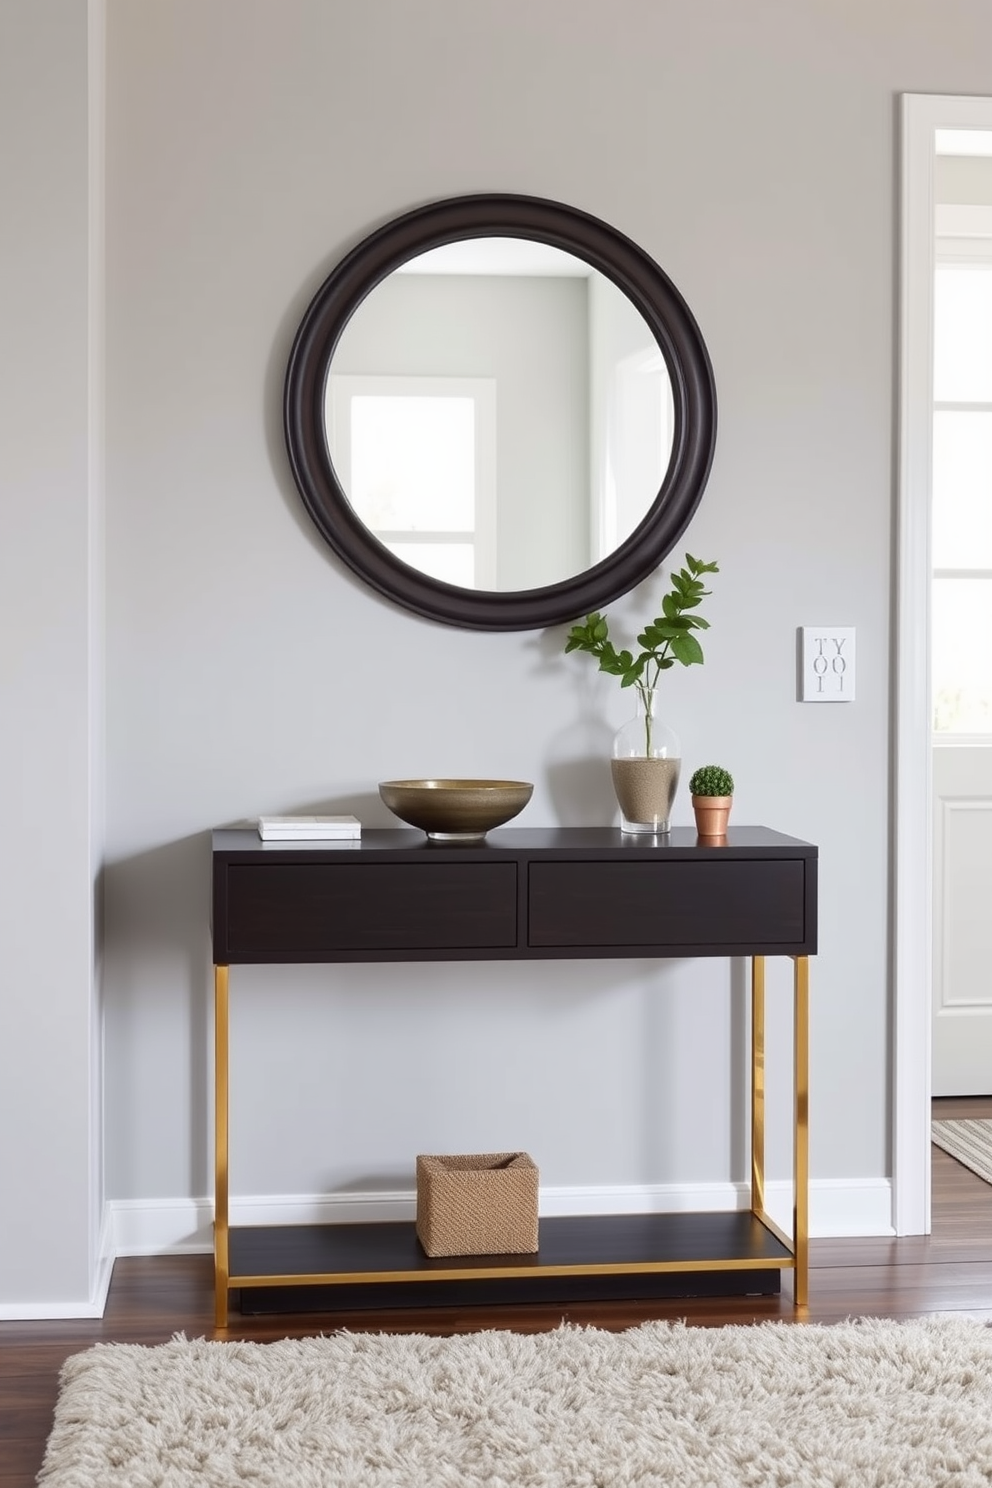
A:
x,y
326,836
284,839
310,836
292,828
316,826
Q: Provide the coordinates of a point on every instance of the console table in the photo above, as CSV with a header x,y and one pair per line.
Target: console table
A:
x,y
522,895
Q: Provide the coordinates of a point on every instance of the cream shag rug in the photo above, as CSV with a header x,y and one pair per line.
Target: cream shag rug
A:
x,y
863,1403
969,1141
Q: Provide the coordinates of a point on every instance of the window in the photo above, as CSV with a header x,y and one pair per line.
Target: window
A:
x,y
961,640
417,458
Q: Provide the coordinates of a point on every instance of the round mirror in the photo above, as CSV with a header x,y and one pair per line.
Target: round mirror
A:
x,y
500,412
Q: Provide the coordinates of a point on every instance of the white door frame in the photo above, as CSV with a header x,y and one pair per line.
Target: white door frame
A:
x,y
922,116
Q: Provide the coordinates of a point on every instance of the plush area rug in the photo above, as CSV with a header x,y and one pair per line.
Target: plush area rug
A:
x,y
868,1403
970,1141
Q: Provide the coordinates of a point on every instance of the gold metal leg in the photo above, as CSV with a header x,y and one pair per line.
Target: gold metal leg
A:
x,y
800,1213
221,1077
757,1084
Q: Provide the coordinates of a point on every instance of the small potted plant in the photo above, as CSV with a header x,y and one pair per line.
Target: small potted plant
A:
x,y
712,789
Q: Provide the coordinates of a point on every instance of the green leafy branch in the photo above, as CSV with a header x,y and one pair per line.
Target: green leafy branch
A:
x,y
664,641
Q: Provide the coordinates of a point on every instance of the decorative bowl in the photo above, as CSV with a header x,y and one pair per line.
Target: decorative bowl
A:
x,y
455,810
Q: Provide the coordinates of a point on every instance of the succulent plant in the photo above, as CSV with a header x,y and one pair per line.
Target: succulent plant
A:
x,y
711,780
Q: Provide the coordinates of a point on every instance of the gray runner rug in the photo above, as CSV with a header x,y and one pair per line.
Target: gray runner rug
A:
x,y
865,1404
969,1141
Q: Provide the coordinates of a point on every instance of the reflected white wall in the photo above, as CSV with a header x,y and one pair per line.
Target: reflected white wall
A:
x,y
630,427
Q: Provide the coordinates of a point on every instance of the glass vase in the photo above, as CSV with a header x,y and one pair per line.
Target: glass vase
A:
x,y
646,761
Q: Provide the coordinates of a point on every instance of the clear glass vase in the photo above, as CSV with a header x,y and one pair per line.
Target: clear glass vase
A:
x,y
646,761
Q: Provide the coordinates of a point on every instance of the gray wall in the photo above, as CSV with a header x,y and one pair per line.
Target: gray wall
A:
x,y
238,654
50,648
752,151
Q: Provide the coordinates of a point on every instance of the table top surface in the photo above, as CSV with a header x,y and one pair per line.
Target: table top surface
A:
x,y
680,842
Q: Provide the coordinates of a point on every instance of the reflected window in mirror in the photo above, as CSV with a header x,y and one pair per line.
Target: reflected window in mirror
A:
x,y
417,456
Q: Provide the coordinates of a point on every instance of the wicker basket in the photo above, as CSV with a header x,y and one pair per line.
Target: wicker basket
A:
x,y
477,1204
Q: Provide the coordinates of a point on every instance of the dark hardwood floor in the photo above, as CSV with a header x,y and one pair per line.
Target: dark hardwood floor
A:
x,y
151,1298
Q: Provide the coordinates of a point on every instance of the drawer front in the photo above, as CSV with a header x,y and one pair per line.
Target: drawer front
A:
x,y
307,911
680,904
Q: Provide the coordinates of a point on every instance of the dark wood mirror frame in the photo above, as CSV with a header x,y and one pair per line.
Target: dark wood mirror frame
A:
x,y
651,292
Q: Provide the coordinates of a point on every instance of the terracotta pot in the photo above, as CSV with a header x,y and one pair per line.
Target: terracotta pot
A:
x,y
712,814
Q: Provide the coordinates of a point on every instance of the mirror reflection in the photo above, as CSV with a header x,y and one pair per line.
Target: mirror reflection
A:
x,y
498,414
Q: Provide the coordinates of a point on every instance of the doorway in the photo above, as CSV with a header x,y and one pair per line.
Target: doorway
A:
x,y
924,119
961,613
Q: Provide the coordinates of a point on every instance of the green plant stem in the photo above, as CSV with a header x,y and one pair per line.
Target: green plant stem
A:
x,y
646,690
646,685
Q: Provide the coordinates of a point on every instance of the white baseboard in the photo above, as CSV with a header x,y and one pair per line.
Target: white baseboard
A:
x,y
173,1227
106,1254
132,1227
839,1208
51,1312
92,1307
162,1226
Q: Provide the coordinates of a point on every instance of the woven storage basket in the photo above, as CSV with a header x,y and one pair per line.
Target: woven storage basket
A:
x,y
477,1204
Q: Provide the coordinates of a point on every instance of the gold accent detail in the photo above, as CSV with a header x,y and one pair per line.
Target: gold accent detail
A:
x,y
221,1085
797,1245
473,1273
758,1084
800,1216
798,1242
779,1234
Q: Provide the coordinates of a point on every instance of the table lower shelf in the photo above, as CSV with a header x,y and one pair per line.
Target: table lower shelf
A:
x,y
336,1267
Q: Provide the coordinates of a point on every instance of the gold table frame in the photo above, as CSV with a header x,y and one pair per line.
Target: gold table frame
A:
x,y
797,1245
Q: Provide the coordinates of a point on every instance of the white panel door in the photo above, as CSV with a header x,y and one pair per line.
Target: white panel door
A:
x,y
962,939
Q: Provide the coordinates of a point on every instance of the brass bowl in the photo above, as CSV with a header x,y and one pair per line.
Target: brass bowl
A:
x,y
455,810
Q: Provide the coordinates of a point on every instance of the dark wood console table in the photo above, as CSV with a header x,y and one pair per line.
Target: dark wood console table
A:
x,y
546,894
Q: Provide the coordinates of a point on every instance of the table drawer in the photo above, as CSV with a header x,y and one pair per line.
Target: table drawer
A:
x,y
306,911
681,904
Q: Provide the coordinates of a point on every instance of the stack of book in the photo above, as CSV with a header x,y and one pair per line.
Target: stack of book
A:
x,y
308,828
